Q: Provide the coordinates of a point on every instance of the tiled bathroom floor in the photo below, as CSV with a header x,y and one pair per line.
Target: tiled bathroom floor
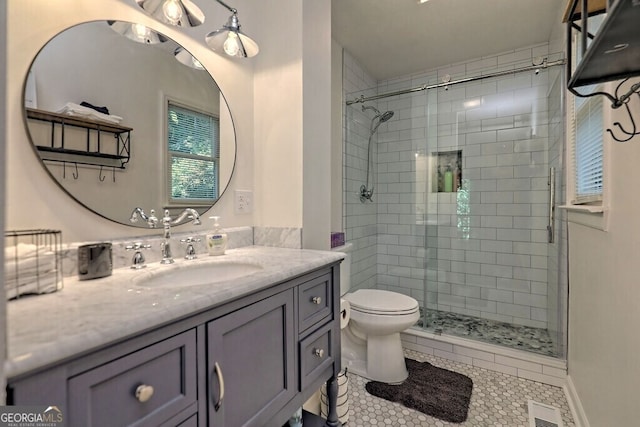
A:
x,y
534,340
497,400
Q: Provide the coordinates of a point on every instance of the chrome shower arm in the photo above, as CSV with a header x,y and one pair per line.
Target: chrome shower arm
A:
x,y
229,8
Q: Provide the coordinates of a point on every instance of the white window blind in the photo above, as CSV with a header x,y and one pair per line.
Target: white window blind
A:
x,y
587,149
586,131
194,155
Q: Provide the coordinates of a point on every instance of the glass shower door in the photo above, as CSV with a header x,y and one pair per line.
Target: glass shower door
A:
x,y
491,273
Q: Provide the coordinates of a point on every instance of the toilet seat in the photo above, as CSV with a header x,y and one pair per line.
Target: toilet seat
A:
x,y
374,301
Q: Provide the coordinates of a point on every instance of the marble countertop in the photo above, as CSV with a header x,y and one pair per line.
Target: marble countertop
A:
x,y
45,329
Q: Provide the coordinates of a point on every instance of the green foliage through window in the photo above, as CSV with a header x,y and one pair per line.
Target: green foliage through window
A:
x,y
194,155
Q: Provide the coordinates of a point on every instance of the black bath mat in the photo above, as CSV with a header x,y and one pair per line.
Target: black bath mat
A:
x,y
434,391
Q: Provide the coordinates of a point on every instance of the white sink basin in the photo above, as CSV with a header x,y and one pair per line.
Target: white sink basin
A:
x,y
199,274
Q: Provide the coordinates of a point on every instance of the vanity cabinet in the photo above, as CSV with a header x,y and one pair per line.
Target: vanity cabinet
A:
x,y
147,387
247,362
250,356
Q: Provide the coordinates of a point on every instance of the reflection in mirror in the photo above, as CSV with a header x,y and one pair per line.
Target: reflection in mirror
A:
x,y
120,123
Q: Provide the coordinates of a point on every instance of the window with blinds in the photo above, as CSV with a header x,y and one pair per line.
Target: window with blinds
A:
x,y
588,149
193,155
587,132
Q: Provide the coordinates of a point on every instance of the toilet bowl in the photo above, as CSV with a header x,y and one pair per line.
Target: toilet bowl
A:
x,y
370,341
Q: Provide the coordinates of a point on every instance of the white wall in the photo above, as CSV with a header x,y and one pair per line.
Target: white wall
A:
x,y
316,117
337,106
278,116
35,201
604,342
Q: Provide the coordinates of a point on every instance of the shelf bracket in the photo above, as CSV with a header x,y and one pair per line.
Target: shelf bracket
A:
x,y
609,57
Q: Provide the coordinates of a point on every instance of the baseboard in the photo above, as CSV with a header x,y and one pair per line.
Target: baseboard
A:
x,y
575,405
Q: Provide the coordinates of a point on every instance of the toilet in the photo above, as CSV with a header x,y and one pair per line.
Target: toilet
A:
x,y
371,344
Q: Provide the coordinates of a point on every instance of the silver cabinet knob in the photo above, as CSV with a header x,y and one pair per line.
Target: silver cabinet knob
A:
x,y
316,300
144,392
318,352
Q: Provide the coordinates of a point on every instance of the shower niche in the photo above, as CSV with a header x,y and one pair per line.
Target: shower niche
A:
x,y
446,175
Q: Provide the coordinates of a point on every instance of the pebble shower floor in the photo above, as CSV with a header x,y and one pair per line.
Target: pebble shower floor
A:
x,y
498,400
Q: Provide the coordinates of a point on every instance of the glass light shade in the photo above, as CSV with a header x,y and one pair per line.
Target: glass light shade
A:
x,y
187,59
233,43
136,32
172,11
180,13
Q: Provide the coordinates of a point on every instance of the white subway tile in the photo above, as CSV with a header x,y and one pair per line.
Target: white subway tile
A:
x,y
497,295
513,285
481,137
499,271
514,310
538,301
518,363
509,370
546,379
453,356
514,260
439,345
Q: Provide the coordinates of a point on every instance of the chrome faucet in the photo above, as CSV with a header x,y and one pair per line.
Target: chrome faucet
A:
x,y
192,214
167,222
151,219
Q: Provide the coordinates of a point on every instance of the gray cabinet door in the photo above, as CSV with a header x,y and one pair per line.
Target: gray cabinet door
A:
x,y
107,395
251,357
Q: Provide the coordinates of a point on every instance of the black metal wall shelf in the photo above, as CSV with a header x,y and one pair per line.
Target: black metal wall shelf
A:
x,y
88,156
613,54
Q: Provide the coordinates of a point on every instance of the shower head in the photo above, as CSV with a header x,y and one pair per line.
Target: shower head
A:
x,y
386,116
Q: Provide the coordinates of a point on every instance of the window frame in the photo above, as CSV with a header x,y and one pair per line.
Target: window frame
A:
x,y
168,155
594,213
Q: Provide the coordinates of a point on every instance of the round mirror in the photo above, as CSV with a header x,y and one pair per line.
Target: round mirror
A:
x,y
123,117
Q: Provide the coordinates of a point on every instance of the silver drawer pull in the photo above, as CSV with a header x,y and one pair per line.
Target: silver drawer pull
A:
x,y
318,352
218,372
144,392
316,300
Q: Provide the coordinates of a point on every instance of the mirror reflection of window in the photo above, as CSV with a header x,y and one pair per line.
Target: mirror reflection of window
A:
x,y
193,155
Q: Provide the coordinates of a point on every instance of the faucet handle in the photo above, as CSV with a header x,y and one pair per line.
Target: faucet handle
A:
x,y
190,251
153,219
137,262
136,246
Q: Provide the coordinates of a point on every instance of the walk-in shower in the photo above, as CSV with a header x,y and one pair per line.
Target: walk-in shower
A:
x,y
366,190
462,181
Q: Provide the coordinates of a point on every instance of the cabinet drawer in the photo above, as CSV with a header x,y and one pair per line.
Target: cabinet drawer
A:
x,y
316,354
106,396
314,301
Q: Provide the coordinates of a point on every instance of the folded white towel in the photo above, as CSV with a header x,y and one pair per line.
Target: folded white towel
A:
x,y
21,250
45,261
77,110
28,277
43,286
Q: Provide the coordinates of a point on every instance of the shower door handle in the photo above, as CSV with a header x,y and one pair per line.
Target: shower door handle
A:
x,y
552,203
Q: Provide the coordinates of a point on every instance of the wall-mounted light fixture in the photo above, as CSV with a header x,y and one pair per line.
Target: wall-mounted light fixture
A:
x,y
136,32
183,13
230,39
187,59
179,13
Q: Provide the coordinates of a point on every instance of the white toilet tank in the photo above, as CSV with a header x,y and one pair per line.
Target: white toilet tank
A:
x,y
345,267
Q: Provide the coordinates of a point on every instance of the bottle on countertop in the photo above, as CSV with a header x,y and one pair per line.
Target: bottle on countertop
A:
x,y
217,240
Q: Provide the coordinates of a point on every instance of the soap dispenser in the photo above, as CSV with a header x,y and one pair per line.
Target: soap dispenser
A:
x,y
217,240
